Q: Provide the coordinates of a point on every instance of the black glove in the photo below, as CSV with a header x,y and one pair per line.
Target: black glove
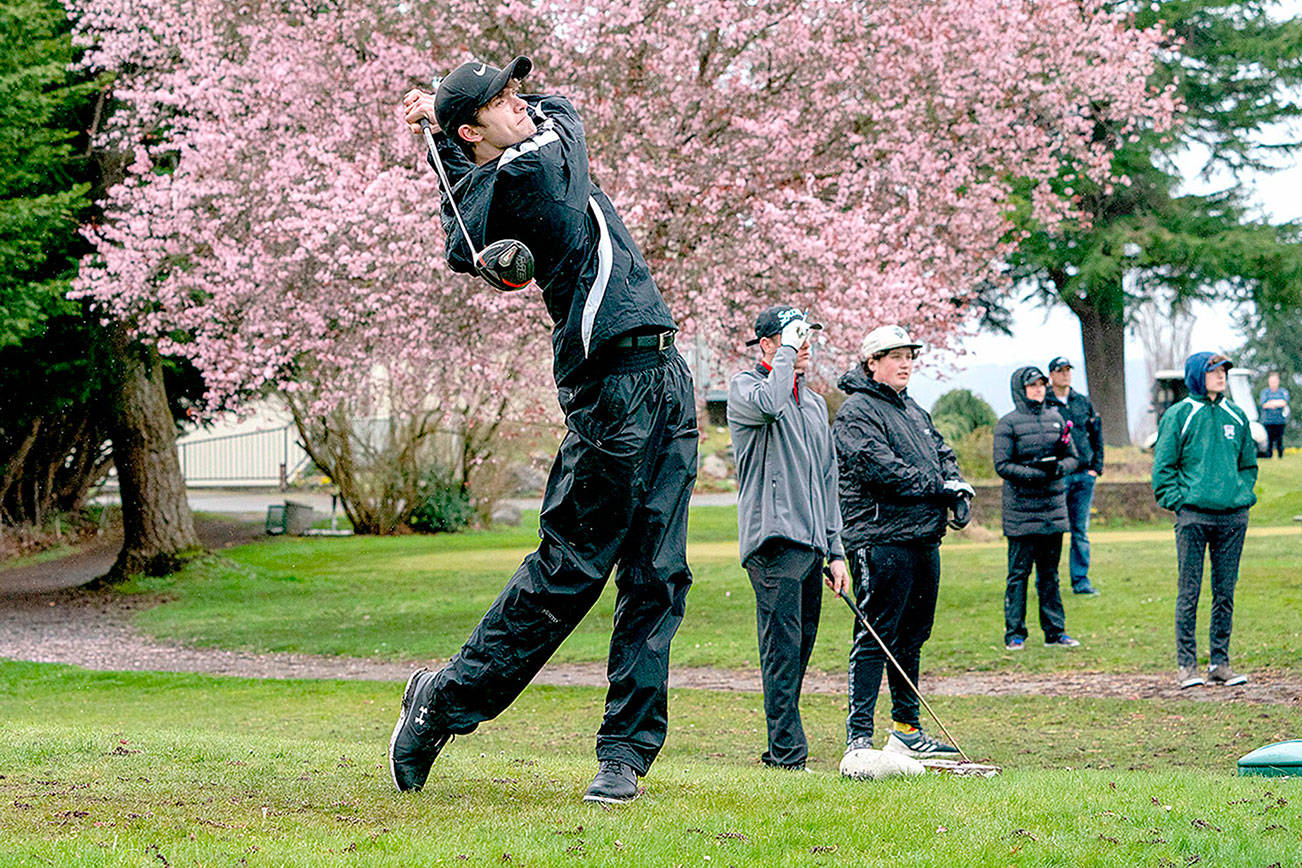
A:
x,y
1049,464
957,489
960,512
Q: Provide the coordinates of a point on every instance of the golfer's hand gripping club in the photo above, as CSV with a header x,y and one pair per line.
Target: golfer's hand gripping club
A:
x,y
507,265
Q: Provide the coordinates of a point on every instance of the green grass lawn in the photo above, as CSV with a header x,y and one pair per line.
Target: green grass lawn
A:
x,y
417,597
171,770
150,769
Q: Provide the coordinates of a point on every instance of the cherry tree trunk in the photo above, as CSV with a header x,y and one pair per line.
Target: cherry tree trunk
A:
x,y
157,524
1103,336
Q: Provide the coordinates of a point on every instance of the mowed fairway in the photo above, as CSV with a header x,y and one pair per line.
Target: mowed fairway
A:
x,y
147,769
106,768
416,598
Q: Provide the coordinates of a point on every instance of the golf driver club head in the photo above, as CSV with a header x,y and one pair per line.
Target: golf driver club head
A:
x,y
507,265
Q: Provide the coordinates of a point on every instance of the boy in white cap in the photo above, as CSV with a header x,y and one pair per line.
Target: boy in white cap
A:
x,y
899,483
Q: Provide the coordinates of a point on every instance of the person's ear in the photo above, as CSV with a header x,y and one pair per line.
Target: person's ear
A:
x,y
469,133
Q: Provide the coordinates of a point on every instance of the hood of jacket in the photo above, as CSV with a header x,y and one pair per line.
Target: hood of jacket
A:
x,y
1195,374
1017,386
856,380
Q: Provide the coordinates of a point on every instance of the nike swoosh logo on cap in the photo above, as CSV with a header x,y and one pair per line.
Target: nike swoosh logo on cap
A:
x,y
483,67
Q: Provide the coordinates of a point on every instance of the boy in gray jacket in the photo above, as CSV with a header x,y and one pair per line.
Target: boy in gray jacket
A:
x,y
789,520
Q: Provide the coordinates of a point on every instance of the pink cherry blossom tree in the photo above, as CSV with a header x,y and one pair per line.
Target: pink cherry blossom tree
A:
x,y
279,227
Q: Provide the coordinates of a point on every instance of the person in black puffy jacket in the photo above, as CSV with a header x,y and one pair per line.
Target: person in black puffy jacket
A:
x,y
1033,453
898,481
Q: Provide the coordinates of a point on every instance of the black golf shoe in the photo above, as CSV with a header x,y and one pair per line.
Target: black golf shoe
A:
x,y
615,783
415,744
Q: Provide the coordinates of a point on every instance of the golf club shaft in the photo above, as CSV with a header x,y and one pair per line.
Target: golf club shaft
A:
x,y
447,186
900,669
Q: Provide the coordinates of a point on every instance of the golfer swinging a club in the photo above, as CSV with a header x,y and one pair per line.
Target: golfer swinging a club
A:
x,y
619,488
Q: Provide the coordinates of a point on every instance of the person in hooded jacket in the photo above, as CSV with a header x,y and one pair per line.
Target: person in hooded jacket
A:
x,y
619,488
1204,470
1033,453
898,481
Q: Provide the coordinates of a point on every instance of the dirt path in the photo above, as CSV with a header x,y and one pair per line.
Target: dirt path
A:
x,y
44,618
94,559
93,630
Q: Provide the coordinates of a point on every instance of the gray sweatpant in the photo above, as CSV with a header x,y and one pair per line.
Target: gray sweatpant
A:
x,y
1221,536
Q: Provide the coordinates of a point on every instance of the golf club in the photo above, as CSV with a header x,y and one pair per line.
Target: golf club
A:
x,y
506,264
898,668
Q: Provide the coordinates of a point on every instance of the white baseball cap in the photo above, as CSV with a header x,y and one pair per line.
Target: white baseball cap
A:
x,y
885,338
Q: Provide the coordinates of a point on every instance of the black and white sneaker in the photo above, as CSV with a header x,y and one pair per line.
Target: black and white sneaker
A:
x,y
1189,676
1063,641
918,745
1223,674
415,744
615,784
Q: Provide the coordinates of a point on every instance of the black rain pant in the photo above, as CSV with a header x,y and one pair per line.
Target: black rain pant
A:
x,y
1042,551
788,583
895,587
1221,536
617,494
1275,440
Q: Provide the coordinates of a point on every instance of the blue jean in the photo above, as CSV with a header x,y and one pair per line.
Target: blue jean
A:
x,y
1221,537
1080,497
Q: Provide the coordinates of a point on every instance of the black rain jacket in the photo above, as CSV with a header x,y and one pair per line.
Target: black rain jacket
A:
x,y
594,281
1086,427
893,465
1034,499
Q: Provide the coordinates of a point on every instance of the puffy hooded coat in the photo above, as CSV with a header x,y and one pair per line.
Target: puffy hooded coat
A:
x,y
1205,456
1034,498
594,281
893,466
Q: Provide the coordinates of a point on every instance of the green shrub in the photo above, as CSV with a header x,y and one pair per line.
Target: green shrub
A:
x,y
952,428
958,412
444,507
975,453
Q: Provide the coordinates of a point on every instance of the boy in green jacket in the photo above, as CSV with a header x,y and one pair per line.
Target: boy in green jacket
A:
x,y
1204,469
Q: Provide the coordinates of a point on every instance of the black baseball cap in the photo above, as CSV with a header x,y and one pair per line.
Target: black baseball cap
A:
x,y
773,319
1219,360
469,87
1058,363
1033,375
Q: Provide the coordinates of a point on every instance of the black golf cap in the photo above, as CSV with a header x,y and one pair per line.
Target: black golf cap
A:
x,y
469,87
1033,375
1058,363
773,319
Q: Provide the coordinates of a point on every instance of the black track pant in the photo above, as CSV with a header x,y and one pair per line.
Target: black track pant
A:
x,y
1220,536
1042,551
617,494
895,587
1275,439
788,583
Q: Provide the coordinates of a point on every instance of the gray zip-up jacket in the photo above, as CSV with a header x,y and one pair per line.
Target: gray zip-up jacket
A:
x,y
786,468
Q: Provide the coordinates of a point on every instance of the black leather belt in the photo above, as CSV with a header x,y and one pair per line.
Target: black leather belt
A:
x,y
661,341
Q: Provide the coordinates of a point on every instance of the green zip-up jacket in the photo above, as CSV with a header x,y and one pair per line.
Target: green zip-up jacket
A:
x,y
1205,457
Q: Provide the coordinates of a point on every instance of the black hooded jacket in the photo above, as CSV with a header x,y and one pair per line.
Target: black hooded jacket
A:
x,y
594,281
893,466
1087,427
1035,493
